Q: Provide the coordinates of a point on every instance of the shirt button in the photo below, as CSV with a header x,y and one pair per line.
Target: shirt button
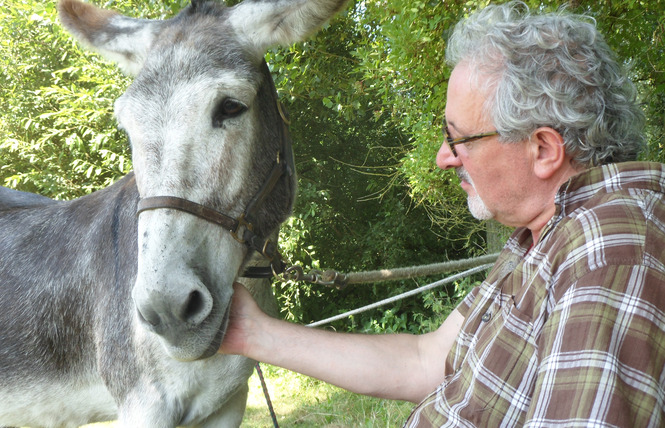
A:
x,y
486,316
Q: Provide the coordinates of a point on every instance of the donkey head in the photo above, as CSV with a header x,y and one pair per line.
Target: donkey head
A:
x,y
204,126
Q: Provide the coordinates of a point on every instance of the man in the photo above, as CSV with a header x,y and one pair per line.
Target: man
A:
x,y
568,329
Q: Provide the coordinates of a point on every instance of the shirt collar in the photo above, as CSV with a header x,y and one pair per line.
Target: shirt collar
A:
x,y
596,181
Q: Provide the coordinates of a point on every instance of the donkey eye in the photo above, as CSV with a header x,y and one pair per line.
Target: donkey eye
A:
x,y
226,109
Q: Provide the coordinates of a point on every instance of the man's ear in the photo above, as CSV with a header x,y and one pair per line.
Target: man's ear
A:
x,y
547,152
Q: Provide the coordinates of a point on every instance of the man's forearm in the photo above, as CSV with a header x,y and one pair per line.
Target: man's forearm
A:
x,y
386,366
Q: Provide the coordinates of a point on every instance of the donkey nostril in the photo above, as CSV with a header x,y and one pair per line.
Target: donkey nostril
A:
x,y
193,307
149,317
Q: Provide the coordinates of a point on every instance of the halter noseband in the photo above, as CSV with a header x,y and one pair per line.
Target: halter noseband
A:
x,y
241,228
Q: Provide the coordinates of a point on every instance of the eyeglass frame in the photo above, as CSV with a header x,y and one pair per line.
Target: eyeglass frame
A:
x,y
452,142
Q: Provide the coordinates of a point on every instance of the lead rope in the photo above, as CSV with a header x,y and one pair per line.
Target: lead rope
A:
x,y
267,395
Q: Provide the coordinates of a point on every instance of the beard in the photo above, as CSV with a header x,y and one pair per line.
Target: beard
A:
x,y
476,205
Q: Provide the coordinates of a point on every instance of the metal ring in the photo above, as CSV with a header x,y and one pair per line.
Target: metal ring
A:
x,y
282,113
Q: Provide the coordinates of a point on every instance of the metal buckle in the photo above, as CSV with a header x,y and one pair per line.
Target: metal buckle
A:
x,y
264,251
282,113
241,223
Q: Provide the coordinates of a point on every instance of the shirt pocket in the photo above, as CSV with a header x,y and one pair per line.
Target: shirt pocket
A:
x,y
508,363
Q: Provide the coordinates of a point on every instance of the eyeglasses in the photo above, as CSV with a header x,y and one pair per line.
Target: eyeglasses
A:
x,y
452,142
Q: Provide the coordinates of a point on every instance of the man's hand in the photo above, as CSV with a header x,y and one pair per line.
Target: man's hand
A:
x,y
243,316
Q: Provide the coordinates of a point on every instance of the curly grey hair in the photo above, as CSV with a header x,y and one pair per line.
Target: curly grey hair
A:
x,y
552,70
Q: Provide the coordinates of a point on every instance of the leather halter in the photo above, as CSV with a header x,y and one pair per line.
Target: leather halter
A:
x,y
241,228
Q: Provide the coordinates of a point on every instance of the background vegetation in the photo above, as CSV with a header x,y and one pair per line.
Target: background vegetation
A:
x,y
366,97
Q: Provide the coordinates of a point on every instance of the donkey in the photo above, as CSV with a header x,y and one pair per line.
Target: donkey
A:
x,y
113,305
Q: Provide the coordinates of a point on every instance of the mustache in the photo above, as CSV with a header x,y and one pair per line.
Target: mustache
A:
x,y
462,174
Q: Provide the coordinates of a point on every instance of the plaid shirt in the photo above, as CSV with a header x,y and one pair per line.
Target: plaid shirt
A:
x,y
572,332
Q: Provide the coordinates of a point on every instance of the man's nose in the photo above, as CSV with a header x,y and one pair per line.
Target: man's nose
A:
x,y
445,159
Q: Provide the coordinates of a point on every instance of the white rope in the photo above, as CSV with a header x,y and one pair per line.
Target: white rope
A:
x,y
404,295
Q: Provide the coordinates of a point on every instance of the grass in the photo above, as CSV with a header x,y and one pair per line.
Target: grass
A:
x,y
303,402
308,403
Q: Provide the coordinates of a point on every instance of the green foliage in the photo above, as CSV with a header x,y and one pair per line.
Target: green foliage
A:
x,y
636,30
57,139
423,315
356,209
59,133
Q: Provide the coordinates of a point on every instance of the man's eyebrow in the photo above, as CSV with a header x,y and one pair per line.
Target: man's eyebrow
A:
x,y
449,122
450,125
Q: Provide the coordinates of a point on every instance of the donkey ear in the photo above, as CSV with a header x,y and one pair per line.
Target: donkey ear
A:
x,y
263,23
123,40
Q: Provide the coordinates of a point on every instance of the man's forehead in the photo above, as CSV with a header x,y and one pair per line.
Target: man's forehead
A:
x,y
465,101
